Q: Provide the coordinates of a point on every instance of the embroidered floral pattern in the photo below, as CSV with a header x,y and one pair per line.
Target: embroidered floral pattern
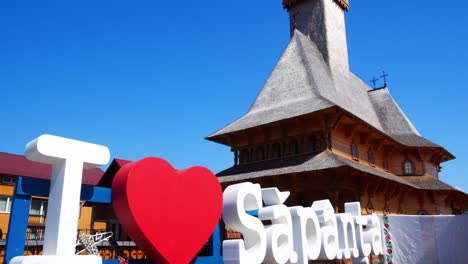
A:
x,y
388,240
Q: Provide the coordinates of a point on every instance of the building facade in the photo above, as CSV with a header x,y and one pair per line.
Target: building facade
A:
x,y
320,132
13,166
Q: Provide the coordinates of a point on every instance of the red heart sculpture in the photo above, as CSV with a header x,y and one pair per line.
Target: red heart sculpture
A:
x,y
169,214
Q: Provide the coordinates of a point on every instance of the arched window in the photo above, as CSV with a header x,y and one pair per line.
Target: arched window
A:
x,y
354,151
259,154
276,151
371,157
385,164
408,168
293,147
312,144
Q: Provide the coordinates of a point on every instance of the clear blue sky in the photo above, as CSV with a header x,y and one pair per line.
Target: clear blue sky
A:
x,y
153,78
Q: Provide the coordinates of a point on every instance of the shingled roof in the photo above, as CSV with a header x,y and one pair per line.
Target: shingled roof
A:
x,y
429,183
109,174
296,164
322,161
302,83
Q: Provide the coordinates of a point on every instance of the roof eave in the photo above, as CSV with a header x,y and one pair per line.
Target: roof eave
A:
x,y
217,139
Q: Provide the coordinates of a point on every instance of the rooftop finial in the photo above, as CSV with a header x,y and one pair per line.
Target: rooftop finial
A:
x,y
373,81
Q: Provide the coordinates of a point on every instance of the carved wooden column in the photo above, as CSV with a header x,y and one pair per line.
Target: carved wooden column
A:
x,y
421,201
401,198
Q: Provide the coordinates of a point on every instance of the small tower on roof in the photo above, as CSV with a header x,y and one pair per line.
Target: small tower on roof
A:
x,y
323,21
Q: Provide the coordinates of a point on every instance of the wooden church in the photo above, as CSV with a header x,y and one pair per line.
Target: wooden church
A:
x,y
318,131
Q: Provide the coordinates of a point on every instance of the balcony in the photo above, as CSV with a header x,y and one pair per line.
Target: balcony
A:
x,y
36,220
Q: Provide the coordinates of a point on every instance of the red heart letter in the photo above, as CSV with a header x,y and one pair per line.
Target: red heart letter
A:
x,y
169,214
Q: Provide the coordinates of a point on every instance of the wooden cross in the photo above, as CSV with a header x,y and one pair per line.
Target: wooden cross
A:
x,y
374,80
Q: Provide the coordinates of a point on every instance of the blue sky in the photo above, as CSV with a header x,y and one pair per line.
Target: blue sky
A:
x,y
153,78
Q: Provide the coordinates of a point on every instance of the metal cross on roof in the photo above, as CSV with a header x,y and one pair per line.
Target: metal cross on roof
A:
x,y
384,76
373,81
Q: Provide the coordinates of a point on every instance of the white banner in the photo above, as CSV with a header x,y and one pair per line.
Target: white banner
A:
x,y
427,239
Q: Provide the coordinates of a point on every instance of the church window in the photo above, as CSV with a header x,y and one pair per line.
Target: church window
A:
x,y
260,154
293,147
371,157
408,168
354,151
385,164
312,144
276,151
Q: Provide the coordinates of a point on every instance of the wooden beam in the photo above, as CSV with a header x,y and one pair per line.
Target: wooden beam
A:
x,y
431,196
401,198
283,129
381,188
396,191
266,133
364,137
388,149
336,120
243,138
229,139
372,188
418,154
421,199
376,144
349,131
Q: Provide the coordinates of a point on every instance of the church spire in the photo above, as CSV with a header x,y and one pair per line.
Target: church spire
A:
x,y
323,22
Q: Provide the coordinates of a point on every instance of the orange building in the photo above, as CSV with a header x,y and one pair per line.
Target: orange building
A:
x,y
94,218
13,166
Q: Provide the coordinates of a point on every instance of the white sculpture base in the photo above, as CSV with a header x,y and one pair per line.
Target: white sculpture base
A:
x,y
74,259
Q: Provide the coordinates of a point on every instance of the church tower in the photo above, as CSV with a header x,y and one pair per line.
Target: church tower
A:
x,y
320,132
323,21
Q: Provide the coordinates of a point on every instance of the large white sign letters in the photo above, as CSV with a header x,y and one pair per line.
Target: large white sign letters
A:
x,y
278,234
68,158
296,234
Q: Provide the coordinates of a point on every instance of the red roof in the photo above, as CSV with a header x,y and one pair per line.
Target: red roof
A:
x,y
114,167
19,165
121,162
